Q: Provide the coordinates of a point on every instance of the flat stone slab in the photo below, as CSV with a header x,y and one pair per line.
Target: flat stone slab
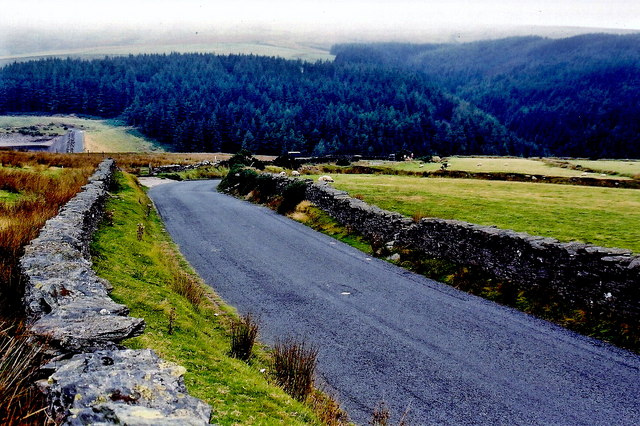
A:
x,y
91,332
132,387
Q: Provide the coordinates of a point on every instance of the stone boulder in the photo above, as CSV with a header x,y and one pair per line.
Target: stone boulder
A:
x,y
122,387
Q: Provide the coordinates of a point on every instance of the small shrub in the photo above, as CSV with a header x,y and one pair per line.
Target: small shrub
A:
x,y
172,320
244,332
108,217
244,158
239,180
140,231
265,187
286,161
187,286
292,195
294,366
381,415
247,181
343,161
327,409
418,216
377,244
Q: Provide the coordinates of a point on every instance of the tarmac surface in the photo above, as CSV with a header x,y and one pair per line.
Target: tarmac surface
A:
x,y
437,354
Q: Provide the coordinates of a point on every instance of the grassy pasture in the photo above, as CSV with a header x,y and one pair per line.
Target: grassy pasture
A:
x,y
630,168
490,165
100,135
603,216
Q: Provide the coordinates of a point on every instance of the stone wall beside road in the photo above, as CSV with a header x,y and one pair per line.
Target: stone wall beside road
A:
x,y
583,275
92,379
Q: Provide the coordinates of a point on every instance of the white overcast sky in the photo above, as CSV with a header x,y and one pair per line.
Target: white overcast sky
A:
x,y
301,15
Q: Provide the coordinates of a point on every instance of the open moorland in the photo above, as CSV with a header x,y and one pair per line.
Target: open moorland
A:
x,y
100,135
282,49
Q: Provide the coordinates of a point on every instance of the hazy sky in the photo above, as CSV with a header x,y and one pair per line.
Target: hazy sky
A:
x,y
58,25
323,14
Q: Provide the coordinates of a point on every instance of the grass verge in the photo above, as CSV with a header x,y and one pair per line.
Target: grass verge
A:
x,y
317,219
143,273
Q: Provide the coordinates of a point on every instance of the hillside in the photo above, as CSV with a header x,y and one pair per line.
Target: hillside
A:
x,y
523,96
577,96
203,102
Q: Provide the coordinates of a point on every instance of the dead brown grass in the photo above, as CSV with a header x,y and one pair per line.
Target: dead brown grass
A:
x,y
294,366
19,362
327,409
42,183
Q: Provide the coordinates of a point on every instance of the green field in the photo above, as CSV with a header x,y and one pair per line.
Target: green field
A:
x,y
490,165
628,168
603,216
100,135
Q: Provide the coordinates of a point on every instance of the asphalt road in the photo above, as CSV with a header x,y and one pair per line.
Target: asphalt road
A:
x,y
78,141
72,141
385,333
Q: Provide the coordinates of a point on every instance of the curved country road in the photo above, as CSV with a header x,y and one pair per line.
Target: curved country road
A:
x,y
385,333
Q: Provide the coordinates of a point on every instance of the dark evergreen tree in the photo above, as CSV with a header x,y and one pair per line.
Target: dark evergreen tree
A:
x,y
196,102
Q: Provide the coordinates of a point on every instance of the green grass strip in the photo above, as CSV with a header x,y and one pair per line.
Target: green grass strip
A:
x,y
142,273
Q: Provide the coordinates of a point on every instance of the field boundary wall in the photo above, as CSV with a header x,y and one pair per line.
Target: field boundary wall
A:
x,y
91,378
596,278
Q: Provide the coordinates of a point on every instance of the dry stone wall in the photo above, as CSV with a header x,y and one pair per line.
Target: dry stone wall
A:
x,y
581,274
93,380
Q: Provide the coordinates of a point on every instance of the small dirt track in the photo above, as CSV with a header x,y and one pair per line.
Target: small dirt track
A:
x,y
385,333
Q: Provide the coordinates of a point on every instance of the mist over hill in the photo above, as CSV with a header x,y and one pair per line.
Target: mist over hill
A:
x,y
578,96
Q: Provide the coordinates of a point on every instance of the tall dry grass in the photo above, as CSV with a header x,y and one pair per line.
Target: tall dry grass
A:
x,y
41,183
21,403
244,332
294,366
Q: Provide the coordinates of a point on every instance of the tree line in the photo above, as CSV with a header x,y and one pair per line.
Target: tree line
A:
x,y
206,102
578,96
